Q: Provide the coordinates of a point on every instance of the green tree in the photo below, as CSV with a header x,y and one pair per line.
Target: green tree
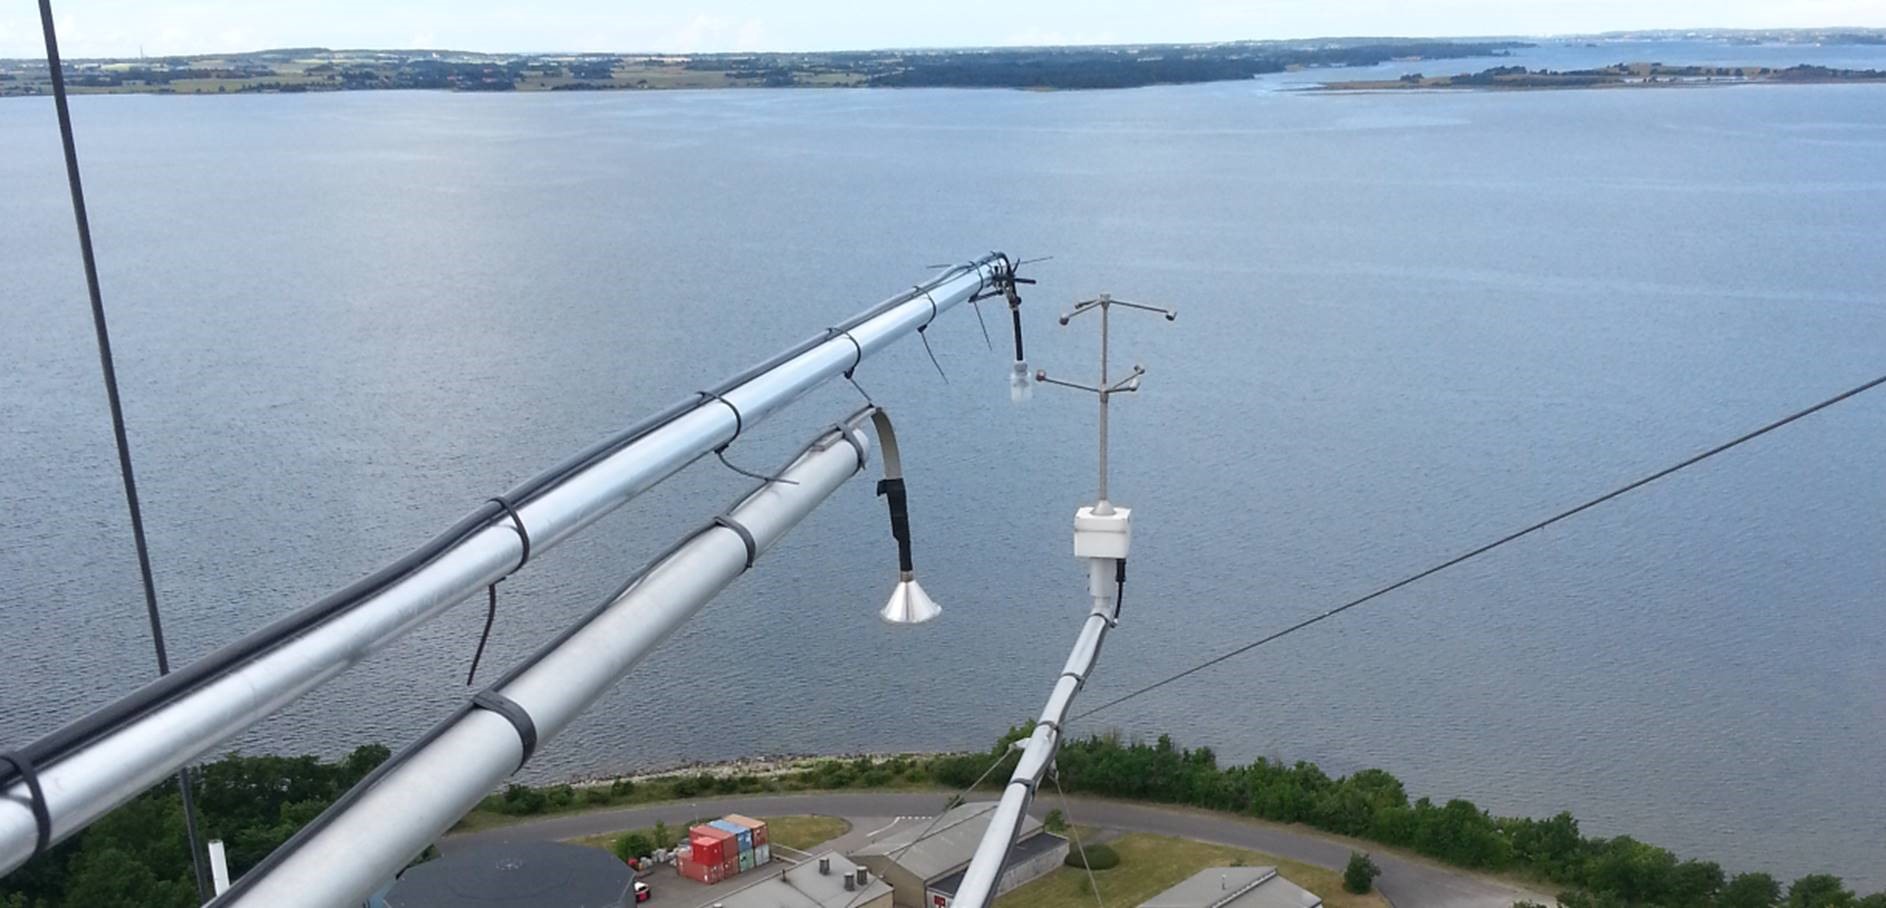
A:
x,y
1819,890
1054,821
1876,900
664,837
1750,890
1359,876
633,845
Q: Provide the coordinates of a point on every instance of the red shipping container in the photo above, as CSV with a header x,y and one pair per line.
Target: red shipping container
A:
x,y
713,846
731,867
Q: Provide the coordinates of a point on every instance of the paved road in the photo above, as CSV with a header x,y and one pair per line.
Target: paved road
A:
x,y
1406,882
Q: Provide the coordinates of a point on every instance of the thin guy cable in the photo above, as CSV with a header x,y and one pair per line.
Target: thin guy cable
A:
x,y
1412,578
56,69
1073,831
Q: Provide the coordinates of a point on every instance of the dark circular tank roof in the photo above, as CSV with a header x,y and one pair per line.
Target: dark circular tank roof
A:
x,y
515,875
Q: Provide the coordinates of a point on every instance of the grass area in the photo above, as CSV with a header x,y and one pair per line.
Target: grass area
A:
x,y
804,833
1151,864
800,832
522,804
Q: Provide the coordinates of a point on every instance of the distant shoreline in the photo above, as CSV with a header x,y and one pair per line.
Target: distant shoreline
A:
x,y
1622,75
1051,68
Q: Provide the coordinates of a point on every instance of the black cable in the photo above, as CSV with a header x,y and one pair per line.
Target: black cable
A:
x,y
59,742
103,334
1621,490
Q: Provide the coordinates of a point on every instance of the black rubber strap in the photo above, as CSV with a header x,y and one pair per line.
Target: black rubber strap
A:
x,y
505,706
523,535
738,424
746,536
932,299
42,818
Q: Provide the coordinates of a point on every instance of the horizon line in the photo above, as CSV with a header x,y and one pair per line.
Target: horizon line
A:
x,y
1614,33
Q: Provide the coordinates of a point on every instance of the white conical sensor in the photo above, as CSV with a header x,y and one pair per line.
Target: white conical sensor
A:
x,y
909,604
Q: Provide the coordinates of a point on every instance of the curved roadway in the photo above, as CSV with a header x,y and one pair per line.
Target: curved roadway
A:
x,y
1405,881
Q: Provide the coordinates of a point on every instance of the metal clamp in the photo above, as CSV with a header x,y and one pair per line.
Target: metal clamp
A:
x,y
42,818
511,712
746,536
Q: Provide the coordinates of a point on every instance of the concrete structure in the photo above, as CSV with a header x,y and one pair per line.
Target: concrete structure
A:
x,y
925,874
1235,887
818,883
517,875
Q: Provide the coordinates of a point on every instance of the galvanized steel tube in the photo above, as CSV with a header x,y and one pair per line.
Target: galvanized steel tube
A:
x,y
359,846
978,888
115,766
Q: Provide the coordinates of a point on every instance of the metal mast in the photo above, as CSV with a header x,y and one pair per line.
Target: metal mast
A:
x,y
1102,535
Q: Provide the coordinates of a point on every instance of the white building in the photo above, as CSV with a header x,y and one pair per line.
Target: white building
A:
x,y
924,873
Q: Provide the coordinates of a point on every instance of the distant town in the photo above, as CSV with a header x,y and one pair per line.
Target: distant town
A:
x,y
1621,75
320,69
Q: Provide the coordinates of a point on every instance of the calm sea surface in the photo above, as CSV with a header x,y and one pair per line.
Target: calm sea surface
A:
x,y
1411,323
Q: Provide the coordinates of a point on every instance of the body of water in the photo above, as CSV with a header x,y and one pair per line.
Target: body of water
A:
x,y
1410,324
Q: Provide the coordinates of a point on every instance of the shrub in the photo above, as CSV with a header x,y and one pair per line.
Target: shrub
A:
x,y
1054,821
1099,857
596,796
622,788
522,800
633,845
1359,876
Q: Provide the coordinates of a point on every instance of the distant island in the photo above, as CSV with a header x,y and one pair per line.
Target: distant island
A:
x,y
1621,75
1046,68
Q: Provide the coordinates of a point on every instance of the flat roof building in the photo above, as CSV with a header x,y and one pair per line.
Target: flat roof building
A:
x,y
1235,887
820,882
925,872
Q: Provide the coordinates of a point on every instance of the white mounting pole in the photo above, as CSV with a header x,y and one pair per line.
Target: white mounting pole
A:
x,y
1102,536
219,866
143,745
360,843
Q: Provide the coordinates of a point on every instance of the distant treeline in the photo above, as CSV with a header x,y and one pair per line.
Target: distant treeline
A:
x,y
1078,68
1372,804
136,856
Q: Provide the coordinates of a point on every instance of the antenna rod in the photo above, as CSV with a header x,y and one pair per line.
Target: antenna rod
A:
x,y
1102,536
105,759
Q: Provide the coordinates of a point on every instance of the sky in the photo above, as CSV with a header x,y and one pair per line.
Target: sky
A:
x,y
120,28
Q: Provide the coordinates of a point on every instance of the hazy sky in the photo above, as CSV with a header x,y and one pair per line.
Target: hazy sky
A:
x,y
121,27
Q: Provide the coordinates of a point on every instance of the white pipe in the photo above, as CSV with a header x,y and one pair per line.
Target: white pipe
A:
x,y
356,847
117,765
978,888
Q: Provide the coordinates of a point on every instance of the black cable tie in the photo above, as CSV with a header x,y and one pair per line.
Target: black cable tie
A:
x,y
746,536
491,591
932,299
511,712
523,535
858,358
738,424
42,818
